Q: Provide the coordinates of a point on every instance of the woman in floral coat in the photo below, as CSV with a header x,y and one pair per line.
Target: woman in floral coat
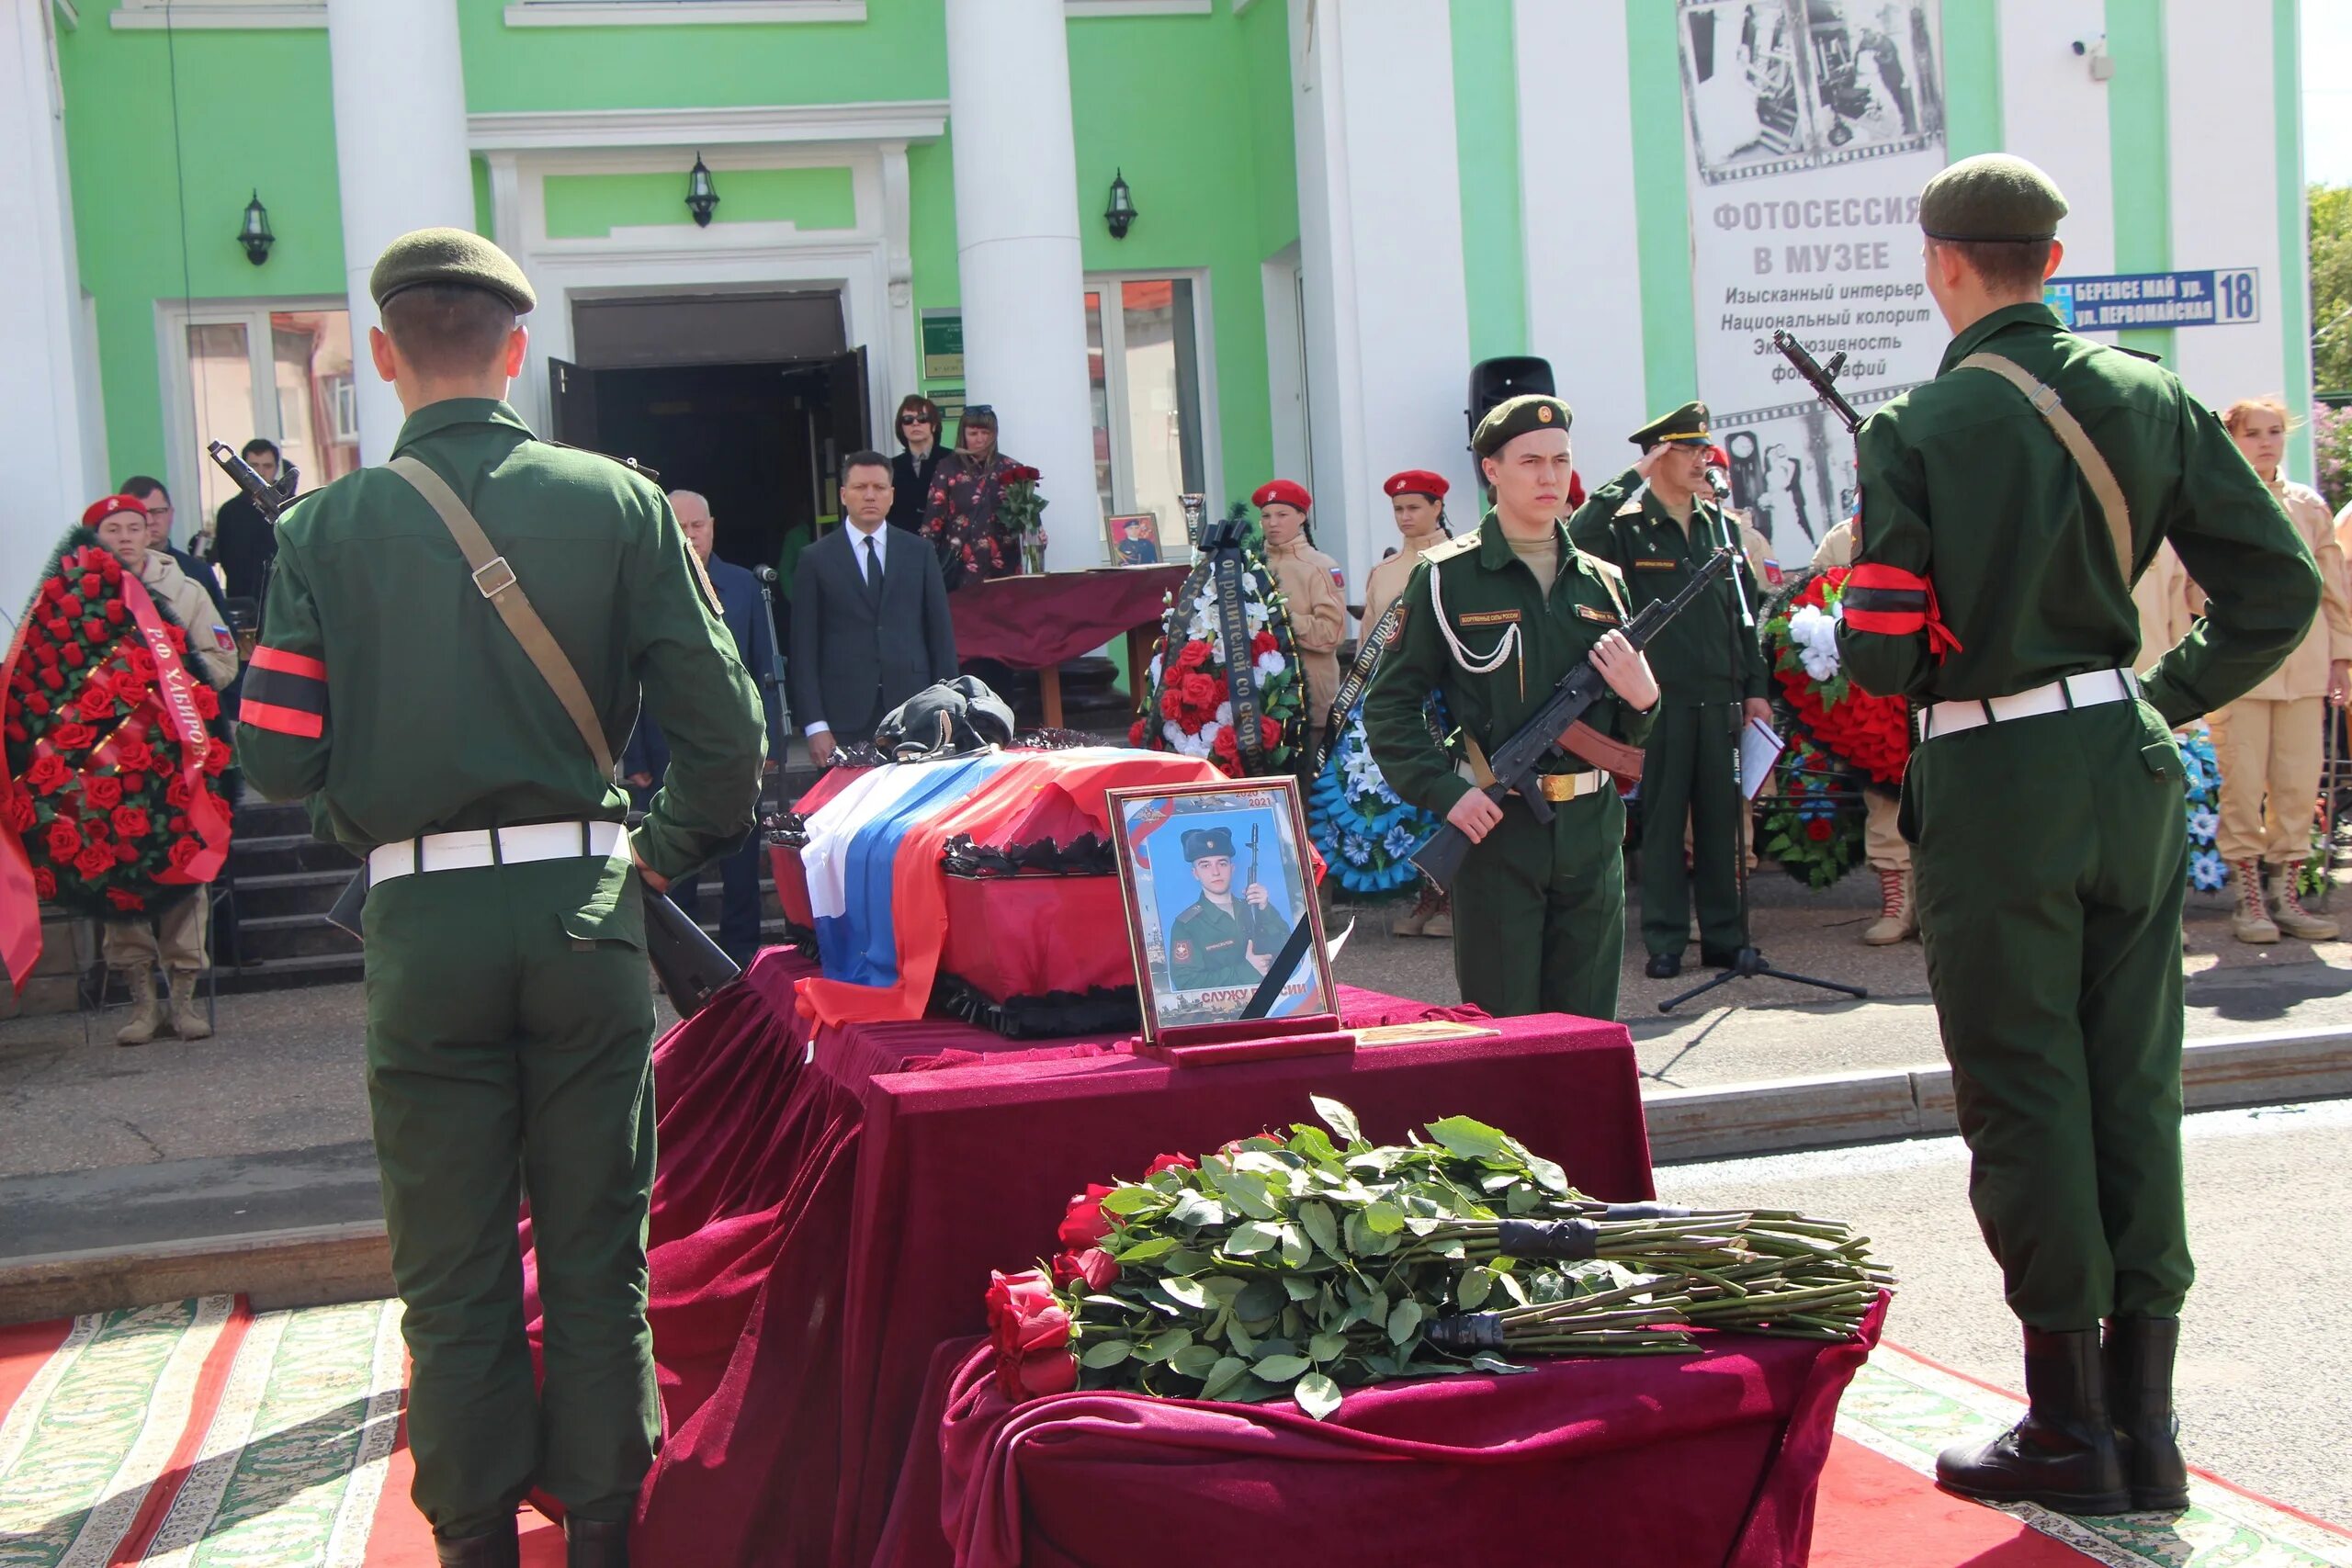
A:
x,y
966,494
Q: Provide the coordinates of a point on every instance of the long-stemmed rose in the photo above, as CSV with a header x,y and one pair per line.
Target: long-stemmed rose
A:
x,y
1031,1331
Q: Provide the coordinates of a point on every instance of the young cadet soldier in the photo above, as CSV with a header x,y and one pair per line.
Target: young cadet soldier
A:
x,y
1220,940
509,1020
1494,620
1658,523
2006,507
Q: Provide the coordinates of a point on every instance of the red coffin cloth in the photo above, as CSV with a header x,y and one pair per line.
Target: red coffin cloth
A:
x,y
1669,1461
1031,622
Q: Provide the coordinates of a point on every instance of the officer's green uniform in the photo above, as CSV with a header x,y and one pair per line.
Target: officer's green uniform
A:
x,y
509,1020
1209,946
1538,911
2050,851
1707,660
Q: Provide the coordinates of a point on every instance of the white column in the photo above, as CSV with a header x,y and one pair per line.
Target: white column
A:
x,y
1017,252
2055,115
399,150
1380,241
43,373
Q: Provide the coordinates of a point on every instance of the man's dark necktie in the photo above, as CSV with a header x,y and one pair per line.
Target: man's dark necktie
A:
x,y
873,570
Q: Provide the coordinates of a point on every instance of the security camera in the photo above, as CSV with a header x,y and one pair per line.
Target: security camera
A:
x,y
2093,52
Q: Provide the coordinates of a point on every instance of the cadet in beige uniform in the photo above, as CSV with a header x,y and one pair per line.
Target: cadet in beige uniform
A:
x,y
1319,613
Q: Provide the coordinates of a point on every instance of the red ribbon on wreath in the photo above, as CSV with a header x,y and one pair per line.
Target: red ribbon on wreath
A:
x,y
176,688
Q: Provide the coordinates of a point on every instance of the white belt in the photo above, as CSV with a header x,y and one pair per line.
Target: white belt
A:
x,y
458,852
2088,689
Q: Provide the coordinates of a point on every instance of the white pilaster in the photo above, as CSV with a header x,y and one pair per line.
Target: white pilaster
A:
x,y
401,159
43,369
1017,252
1387,309
2055,115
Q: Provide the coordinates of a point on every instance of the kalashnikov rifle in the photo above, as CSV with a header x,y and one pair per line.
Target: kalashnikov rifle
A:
x,y
1513,763
1822,378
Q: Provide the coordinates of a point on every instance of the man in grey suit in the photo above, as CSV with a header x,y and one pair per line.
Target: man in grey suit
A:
x,y
869,617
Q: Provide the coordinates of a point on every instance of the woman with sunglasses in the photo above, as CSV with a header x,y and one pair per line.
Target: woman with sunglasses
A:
x,y
960,518
917,463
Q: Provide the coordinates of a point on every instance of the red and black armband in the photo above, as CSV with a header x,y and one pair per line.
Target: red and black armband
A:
x,y
1891,602
286,693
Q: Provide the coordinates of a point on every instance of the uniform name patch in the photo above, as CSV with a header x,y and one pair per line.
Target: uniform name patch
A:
x,y
1655,565
1591,614
1488,618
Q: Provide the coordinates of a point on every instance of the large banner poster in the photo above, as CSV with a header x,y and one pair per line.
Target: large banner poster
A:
x,y
1813,125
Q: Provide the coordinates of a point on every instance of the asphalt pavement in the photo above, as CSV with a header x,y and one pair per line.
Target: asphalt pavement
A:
x,y
2266,1337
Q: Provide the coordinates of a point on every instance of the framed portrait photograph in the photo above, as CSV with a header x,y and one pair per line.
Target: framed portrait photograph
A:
x,y
1215,882
1133,539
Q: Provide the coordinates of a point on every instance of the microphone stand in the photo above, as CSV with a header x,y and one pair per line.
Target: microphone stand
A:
x,y
1746,963
772,679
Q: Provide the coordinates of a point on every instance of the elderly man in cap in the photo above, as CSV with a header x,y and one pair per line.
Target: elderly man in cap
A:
x,y
2008,507
1658,523
459,737
1493,621
1220,940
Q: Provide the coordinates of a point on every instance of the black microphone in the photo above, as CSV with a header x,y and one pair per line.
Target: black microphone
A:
x,y
765,574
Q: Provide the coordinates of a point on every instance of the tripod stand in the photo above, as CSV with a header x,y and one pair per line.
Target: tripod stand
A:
x,y
1746,963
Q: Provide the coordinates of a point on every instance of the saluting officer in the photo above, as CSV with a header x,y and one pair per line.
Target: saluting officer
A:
x,y
1658,523
509,1020
1494,620
2008,506
1220,940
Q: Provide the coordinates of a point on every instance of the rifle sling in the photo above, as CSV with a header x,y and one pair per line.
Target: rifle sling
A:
x,y
497,583
2077,442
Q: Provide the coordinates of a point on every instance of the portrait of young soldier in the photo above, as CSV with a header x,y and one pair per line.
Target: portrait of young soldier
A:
x,y
2008,505
1222,938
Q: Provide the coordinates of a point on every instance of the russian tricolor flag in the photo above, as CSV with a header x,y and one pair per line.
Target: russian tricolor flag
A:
x,y
876,885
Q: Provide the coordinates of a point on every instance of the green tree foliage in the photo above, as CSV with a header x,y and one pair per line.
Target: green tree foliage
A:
x,y
2330,243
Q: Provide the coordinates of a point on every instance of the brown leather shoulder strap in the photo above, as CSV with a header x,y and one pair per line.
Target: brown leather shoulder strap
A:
x,y
495,579
2077,442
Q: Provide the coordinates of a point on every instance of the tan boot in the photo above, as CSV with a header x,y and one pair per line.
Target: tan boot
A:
x,y
2250,921
2287,909
187,1011
1896,918
1413,922
146,1007
1440,921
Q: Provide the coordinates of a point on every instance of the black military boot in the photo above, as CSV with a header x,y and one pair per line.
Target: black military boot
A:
x,y
494,1548
594,1543
2063,1454
2139,1355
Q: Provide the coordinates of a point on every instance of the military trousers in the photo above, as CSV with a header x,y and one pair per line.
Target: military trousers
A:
x,y
509,1057
1687,775
2050,857
1539,913
2271,755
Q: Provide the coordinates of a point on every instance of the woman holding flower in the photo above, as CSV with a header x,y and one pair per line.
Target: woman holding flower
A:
x,y
964,520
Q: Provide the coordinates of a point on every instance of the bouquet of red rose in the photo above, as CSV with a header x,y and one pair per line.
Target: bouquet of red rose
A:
x,y
1870,733
1192,682
1301,1265
112,801
1021,512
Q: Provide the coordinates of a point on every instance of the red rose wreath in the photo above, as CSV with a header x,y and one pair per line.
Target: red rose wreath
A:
x,y
1866,731
112,800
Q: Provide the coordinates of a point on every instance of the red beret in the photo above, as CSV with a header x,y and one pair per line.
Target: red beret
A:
x,y
1575,488
1418,481
1284,491
1718,458
107,506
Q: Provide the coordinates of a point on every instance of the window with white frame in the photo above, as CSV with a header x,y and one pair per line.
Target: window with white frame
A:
x,y
640,13
237,14
280,370
1145,351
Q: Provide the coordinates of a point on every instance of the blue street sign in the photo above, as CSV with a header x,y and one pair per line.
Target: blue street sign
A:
x,y
2223,298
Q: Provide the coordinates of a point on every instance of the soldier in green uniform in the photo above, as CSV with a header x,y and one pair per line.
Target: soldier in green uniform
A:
x,y
509,1018
1494,620
1658,523
2008,506
1220,940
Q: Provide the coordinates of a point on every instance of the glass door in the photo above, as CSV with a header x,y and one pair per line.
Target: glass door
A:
x,y
1145,354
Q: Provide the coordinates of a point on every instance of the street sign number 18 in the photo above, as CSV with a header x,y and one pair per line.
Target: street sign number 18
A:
x,y
2239,299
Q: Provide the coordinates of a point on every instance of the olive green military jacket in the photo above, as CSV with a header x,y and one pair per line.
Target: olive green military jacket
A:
x,y
389,691
1209,947
1963,483
1707,653
1489,593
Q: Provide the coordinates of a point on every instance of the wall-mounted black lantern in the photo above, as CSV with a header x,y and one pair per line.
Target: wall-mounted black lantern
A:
x,y
254,234
1122,210
701,195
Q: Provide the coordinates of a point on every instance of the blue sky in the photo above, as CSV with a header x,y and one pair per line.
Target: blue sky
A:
x,y
2327,91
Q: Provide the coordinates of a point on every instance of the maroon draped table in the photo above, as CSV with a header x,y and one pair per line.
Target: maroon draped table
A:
x,y
1041,622
829,1204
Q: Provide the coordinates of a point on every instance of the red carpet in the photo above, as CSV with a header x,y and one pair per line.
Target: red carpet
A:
x,y
1872,1513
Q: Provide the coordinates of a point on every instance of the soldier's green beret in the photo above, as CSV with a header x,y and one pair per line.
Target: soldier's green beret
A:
x,y
1688,422
1515,417
449,255
1991,197
1200,842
